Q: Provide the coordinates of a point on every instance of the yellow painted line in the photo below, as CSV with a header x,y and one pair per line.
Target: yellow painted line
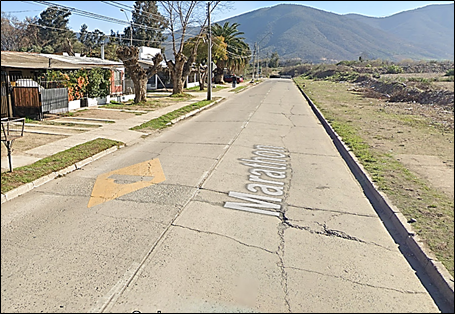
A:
x,y
106,187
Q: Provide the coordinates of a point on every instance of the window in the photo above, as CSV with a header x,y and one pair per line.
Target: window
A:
x,y
117,78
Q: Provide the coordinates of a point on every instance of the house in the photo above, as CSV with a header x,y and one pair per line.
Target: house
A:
x,y
24,69
117,68
158,80
162,79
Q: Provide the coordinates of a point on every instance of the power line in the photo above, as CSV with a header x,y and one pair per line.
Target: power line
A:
x,y
129,8
92,15
113,20
105,35
21,11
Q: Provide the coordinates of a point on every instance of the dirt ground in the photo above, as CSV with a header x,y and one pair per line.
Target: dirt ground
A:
x,y
429,152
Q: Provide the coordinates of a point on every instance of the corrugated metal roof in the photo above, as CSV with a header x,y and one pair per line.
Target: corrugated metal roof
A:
x,y
16,59
83,60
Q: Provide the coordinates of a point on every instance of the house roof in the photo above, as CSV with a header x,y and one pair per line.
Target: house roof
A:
x,y
16,59
84,61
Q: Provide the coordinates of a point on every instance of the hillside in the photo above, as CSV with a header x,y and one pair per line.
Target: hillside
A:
x,y
430,27
318,36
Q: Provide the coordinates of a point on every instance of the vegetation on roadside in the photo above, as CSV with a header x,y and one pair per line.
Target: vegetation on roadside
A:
x,y
215,88
56,162
368,130
151,104
165,120
238,89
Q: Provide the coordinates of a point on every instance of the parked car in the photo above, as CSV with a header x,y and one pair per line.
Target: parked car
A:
x,y
228,78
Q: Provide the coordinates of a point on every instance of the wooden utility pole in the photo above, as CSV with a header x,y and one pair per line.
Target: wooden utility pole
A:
x,y
209,61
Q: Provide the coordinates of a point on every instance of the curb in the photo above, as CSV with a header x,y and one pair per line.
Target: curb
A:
x,y
436,271
192,113
40,181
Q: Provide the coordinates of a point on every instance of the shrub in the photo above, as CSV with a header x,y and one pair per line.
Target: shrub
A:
x,y
394,69
82,83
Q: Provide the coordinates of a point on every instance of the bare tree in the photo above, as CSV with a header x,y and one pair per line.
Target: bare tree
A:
x,y
181,16
13,35
139,75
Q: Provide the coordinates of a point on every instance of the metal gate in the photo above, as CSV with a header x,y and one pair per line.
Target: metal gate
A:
x,y
54,100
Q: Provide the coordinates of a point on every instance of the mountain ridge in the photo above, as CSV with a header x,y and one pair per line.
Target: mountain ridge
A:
x,y
313,35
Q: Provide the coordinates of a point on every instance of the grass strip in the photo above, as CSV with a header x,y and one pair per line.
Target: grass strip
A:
x,y
238,89
164,121
197,89
56,162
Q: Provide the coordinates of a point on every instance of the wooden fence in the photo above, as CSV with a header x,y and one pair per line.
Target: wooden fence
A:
x,y
26,102
6,108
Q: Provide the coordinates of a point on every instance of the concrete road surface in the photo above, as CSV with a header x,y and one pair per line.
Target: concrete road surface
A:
x,y
246,207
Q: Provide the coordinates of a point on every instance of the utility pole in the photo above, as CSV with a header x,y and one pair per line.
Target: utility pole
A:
x,y
254,62
209,69
257,44
258,60
131,27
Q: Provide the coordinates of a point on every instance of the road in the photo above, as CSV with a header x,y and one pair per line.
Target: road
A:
x,y
246,207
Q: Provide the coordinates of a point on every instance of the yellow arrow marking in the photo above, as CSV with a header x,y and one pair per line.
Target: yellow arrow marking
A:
x,y
106,187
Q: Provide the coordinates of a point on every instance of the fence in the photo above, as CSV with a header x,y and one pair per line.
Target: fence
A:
x,y
26,102
54,100
25,97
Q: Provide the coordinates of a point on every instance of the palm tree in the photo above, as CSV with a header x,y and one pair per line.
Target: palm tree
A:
x,y
238,52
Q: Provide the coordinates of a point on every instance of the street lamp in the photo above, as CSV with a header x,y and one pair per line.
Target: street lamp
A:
x,y
131,27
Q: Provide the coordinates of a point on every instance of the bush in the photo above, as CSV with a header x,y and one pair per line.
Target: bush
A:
x,y
82,83
98,82
394,69
449,73
48,49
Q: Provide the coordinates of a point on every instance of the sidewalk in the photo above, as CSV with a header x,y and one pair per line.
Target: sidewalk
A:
x,y
118,131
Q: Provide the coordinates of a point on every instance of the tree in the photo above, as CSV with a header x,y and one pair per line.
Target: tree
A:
x,y
54,30
180,16
10,33
148,24
238,51
130,57
274,60
91,40
219,52
14,35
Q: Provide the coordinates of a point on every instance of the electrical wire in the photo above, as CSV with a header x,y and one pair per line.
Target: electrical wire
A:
x,y
117,21
92,15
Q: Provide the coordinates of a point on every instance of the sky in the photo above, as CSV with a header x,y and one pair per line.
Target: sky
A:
x,y
22,9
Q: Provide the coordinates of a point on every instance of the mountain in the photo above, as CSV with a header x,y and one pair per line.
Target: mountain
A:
x,y
430,27
301,32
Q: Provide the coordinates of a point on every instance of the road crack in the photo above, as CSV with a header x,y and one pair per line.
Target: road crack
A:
x,y
224,236
356,282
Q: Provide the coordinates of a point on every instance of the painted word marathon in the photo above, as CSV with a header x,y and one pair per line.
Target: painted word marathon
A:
x,y
267,168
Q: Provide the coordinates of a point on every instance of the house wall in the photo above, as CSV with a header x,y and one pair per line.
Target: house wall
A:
x,y
116,85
